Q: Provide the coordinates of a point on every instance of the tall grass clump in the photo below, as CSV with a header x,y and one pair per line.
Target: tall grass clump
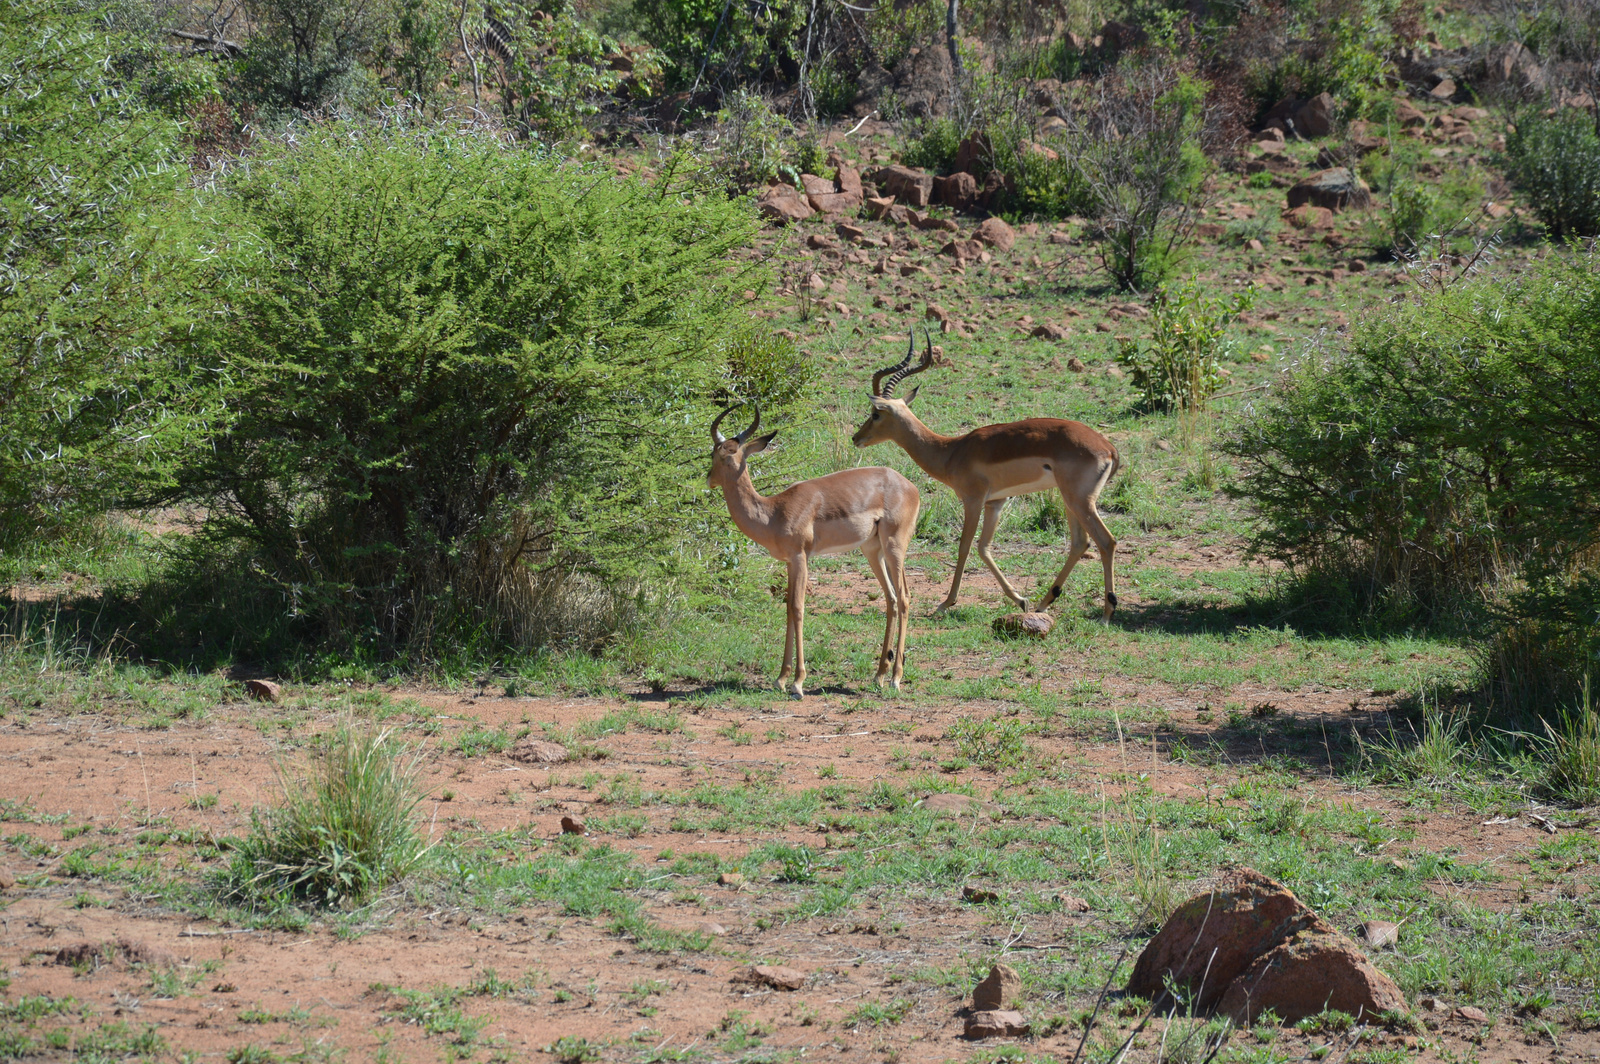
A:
x,y
346,828
1555,161
464,385
1442,467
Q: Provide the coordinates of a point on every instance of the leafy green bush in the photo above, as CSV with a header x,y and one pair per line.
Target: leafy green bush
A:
x,y
461,380
1181,368
753,144
414,48
1451,448
1556,163
1412,207
933,145
88,277
714,42
557,76
768,368
343,832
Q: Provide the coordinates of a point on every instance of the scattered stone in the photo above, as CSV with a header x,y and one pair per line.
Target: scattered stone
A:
x,y
1430,1004
1315,119
1255,245
937,225
1050,331
1270,147
934,312
997,1025
1512,64
137,951
1356,265
1307,216
847,179
263,690
996,233
1380,933
963,250
1476,1015
1337,189
1163,445
835,202
571,826
851,233
538,752
878,207
1073,904
1114,372
1037,625
1470,114
908,269
715,930
777,976
1444,90
972,153
1406,113
821,242
7,880
978,895
731,879
1075,365
80,954
1059,238
998,990
224,988
816,186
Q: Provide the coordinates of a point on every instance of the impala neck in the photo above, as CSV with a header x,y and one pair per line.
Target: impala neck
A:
x,y
748,508
926,447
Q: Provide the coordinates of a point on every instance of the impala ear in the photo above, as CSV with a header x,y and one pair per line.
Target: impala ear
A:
x,y
911,395
759,444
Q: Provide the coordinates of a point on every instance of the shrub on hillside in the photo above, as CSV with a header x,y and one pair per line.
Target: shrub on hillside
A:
x,y
459,377
1451,448
1556,163
87,283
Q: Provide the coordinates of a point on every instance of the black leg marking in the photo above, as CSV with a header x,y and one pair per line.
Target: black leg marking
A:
x,y
1111,599
890,656
1055,592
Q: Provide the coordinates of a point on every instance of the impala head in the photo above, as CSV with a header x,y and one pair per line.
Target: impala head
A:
x,y
728,455
887,412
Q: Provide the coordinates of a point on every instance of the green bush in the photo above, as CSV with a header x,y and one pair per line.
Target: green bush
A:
x,y
1181,367
303,54
933,145
463,381
1449,450
1556,164
714,42
557,76
344,831
89,280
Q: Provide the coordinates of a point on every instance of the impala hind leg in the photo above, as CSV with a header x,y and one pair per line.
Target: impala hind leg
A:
x,y
991,520
873,549
1077,544
895,564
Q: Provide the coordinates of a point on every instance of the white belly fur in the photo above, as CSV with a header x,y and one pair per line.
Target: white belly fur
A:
x,y
842,537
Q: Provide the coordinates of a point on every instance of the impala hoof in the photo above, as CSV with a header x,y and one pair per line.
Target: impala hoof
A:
x,y
946,604
793,691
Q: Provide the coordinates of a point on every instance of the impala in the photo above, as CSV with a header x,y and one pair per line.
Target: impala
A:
x,y
989,465
872,509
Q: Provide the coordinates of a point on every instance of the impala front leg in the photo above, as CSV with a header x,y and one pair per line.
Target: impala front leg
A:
x,y
797,623
969,528
991,520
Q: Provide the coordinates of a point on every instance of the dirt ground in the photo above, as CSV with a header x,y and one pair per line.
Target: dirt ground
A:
x,y
308,992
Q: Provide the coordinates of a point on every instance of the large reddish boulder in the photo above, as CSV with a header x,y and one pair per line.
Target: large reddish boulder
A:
x,y
1315,118
974,153
783,204
1214,936
1310,973
1249,945
1306,216
996,233
1337,188
910,187
959,190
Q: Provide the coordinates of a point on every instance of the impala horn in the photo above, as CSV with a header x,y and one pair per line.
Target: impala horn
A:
x,y
718,438
899,372
877,377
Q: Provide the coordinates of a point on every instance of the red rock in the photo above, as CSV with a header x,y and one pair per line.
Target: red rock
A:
x,y
1216,935
263,690
937,225
997,1025
821,242
1379,933
834,202
1037,625
998,990
935,312
571,826
731,879
1309,217
785,209
848,179
996,233
1059,238
816,186
911,187
1075,365
776,976
963,250
538,752
959,190
1314,971
1476,1015
849,232
1050,331
973,154
1315,119
878,206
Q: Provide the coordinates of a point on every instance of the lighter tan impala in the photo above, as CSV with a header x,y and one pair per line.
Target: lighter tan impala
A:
x,y
989,465
870,509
